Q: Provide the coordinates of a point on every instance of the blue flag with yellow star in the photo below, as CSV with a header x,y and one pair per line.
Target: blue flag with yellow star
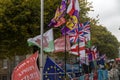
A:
x,y
52,71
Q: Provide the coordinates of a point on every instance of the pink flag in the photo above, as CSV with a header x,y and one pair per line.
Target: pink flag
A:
x,y
27,69
59,44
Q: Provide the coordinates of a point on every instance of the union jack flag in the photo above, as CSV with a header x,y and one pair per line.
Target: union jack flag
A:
x,y
84,26
75,35
80,33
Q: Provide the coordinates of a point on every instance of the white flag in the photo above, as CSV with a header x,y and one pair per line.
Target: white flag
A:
x,y
74,49
48,44
74,5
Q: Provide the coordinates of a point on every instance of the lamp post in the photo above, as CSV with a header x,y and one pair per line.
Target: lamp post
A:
x,y
41,29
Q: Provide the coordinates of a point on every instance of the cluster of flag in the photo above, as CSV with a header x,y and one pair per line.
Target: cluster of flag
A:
x,y
75,39
28,70
58,45
75,35
74,32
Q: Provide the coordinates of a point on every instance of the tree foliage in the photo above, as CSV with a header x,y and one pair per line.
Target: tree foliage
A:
x,y
20,20
105,41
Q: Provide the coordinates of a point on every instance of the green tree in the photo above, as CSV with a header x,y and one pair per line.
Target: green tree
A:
x,y
20,20
105,41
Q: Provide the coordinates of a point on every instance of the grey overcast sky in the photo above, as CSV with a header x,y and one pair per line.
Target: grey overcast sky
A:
x,y
109,14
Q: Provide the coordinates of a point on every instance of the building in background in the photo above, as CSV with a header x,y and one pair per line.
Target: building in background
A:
x,y
7,66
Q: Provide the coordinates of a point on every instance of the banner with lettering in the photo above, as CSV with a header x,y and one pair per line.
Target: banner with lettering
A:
x,y
27,69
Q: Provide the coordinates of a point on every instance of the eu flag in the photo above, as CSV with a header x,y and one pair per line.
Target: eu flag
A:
x,y
52,71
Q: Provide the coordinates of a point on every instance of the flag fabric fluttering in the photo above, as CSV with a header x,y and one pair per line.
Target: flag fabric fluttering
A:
x,y
76,35
101,59
85,28
59,19
73,6
74,49
52,71
60,22
88,52
48,43
27,69
94,52
72,22
59,44
73,10
82,32
64,30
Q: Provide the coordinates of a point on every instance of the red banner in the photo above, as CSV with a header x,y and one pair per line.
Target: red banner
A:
x,y
27,69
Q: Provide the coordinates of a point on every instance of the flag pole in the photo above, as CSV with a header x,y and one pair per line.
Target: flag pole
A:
x,y
65,55
41,49
79,44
